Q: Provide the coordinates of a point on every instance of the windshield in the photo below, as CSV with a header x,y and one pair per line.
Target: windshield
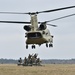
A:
x,y
34,35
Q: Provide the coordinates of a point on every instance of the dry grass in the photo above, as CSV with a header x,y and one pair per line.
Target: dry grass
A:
x,y
52,69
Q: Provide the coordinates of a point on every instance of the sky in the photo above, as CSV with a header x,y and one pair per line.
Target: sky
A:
x,y
12,36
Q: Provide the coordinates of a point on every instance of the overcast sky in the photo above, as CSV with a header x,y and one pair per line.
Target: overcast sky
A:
x,y
12,36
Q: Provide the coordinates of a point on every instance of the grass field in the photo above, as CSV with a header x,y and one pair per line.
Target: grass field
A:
x,y
51,69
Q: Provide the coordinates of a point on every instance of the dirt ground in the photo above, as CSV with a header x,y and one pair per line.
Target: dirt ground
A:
x,y
50,69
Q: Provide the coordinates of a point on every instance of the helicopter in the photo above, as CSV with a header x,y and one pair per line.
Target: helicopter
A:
x,y
37,33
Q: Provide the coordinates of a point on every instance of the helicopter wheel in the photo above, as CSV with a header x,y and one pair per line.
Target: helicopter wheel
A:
x,y
26,46
50,45
33,46
46,45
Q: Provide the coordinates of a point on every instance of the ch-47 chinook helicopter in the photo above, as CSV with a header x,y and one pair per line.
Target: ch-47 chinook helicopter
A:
x,y
38,34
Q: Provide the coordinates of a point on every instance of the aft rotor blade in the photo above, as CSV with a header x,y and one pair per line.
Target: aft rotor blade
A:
x,y
61,18
56,9
18,22
52,25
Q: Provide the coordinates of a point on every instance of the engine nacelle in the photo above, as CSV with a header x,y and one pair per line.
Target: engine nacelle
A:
x,y
27,27
42,27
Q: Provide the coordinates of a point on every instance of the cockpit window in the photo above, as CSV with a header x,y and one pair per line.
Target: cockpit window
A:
x,y
34,35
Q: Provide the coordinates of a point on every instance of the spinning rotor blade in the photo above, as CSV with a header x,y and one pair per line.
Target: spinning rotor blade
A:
x,y
39,12
52,25
60,18
45,23
56,9
18,22
56,19
12,13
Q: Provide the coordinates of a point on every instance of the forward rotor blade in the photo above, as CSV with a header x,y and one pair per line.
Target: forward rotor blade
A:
x,y
39,12
61,18
52,25
18,22
13,13
56,9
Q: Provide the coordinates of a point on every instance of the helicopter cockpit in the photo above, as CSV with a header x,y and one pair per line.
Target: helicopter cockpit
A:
x,y
34,35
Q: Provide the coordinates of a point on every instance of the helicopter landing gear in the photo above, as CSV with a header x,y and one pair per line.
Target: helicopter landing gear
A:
x,y
46,45
33,46
50,45
26,46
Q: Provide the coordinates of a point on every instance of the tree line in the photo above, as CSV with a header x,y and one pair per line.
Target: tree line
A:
x,y
44,61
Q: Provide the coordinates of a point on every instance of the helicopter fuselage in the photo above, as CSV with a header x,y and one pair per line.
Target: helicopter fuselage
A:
x,y
39,37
